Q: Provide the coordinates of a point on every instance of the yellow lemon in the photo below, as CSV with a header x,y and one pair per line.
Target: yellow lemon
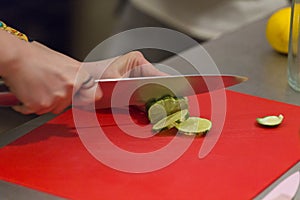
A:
x,y
278,30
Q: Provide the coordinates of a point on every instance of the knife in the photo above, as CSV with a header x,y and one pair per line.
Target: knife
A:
x,y
137,91
286,189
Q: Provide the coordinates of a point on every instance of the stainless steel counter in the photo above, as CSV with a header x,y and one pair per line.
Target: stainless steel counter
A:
x,y
246,52
243,52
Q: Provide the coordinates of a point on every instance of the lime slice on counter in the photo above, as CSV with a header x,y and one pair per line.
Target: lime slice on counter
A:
x,y
194,126
270,120
166,106
171,120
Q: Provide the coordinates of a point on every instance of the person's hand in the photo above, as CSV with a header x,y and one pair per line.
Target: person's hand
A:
x,y
132,64
45,80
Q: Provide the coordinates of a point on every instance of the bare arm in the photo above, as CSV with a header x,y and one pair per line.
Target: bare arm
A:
x,y
41,78
45,80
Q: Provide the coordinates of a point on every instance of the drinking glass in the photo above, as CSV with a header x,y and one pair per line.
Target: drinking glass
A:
x,y
294,44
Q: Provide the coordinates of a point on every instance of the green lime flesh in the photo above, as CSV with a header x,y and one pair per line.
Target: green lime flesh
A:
x,y
194,126
171,120
165,107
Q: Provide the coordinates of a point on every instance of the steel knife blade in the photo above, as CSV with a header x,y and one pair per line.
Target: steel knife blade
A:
x,y
139,90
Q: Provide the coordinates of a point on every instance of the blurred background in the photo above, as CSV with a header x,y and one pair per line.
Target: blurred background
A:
x,y
75,27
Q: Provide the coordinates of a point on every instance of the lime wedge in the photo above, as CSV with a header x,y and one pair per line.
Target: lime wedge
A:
x,y
194,126
270,120
171,120
166,106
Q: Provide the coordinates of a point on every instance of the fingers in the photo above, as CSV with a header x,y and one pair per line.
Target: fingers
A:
x,y
55,106
150,70
83,98
23,109
140,66
88,92
85,91
88,83
26,110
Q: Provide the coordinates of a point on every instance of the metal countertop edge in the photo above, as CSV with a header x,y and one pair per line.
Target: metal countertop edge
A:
x,y
19,131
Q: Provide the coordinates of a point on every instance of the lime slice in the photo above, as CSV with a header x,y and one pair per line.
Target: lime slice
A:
x,y
194,126
270,120
166,106
171,120
156,112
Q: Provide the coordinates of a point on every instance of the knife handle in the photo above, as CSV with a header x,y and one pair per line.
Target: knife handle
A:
x,y
6,97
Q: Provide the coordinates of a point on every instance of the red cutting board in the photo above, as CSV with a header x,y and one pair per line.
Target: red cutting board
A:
x,y
245,160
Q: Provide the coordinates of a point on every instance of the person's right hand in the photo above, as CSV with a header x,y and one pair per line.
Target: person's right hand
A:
x,y
45,80
132,64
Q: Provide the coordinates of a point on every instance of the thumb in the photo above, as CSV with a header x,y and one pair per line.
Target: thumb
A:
x,y
88,92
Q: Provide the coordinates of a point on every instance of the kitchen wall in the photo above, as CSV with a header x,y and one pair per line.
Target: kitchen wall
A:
x,y
92,22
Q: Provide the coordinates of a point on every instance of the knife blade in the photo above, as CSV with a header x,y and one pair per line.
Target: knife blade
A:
x,y
139,90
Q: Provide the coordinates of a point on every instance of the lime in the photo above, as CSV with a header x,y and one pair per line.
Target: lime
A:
x,y
166,106
270,120
157,112
171,120
194,126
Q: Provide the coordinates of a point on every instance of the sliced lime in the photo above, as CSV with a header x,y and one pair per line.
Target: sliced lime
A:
x,y
270,120
157,112
171,120
194,126
166,106
173,105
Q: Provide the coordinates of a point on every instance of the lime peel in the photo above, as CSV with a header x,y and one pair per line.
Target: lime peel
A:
x,y
271,120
